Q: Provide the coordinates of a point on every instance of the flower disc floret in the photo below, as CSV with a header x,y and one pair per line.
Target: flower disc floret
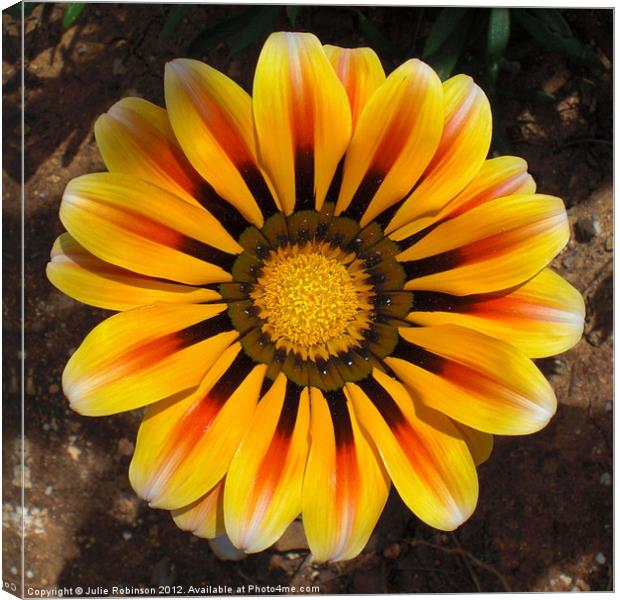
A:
x,y
305,298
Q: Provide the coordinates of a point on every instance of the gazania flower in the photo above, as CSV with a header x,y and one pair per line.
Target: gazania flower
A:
x,y
323,288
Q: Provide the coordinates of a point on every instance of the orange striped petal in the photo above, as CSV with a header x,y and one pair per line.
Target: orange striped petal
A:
x,y
475,379
480,444
498,177
185,445
135,138
345,487
543,317
427,459
395,139
81,275
205,517
140,356
302,118
264,481
361,73
155,233
463,147
492,247
212,118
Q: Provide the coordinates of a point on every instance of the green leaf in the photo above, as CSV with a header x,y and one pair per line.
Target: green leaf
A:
x,y
528,95
498,33
554,20
220,32
72,11
177,12
292,12
551,31
416,31
444,60
260,25
16,9
374,36
543,97
444,27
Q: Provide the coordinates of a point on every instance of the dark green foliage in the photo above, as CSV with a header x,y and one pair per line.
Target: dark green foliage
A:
x,y
376,39
549,28
262,24
16,9
242,29
176,13
498,33
292,12
72,11
498,36
443,30
445,57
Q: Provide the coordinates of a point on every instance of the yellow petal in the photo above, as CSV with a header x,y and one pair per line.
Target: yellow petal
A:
x,y
264,481
345,487
140,356
480,444
543,317
474,379
394,141
204,517
81,275
302,118
185,445
361,73
498,177
154,232
463,147
212,118
135,138
492,247
425,456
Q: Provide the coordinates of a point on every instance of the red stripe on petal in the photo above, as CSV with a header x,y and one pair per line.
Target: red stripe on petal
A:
x,y
143,356
411,443
503,188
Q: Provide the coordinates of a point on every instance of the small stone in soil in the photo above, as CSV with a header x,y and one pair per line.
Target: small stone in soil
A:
x,y
588,228
392,552
118,68
125,447
605,479
600,558
565,579
74,452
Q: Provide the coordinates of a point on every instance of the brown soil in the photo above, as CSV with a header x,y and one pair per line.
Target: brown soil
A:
x,y
544,519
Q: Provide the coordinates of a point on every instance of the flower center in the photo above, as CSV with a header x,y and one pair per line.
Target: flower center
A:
x,y
317,297
307,298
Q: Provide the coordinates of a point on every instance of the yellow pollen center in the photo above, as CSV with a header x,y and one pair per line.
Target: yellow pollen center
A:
x,y
306,298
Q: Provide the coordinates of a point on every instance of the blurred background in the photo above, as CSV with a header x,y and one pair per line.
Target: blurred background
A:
x,y
544,519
